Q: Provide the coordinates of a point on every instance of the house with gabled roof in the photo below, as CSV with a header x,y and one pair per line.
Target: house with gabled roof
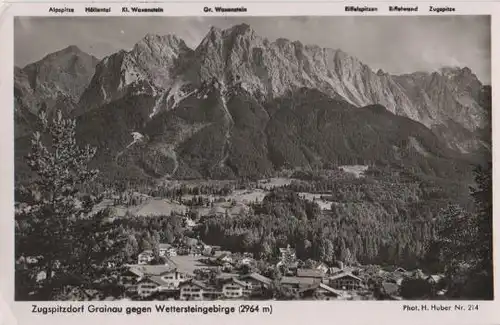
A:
x,y
310,273
394,269
233,288
145,257
345,281
297,283
322,267
227,267
133,272
334,270
435,278
256,278
197,290
138,271
288,268
287,253
418,274
149,285
246,261
225,258
319,291
168,275
167,250
255,283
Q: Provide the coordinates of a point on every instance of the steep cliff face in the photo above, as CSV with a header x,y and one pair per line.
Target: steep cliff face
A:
x,y
271,69
149,68
451,94
229,107
164,66
452,102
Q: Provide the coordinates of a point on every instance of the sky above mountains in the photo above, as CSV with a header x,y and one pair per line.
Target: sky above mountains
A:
x,y
394,44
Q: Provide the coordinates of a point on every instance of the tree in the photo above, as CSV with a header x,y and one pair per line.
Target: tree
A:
x,y
466,242
280,292
266,250
483,198
416,289
169,234
74,246
130,251
326,250
288,257
146,243
455,236
480,280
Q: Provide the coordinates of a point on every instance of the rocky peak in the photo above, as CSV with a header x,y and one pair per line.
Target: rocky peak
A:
x,y
71,50
225,40
62,74
148,68
449,70
462,80
466,71
64,58
282,42
165,70
241,29
224,54
212,37
298,45
458,72
347,66
158,44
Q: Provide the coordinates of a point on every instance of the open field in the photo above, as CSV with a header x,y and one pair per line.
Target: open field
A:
x,y
357,170
189,263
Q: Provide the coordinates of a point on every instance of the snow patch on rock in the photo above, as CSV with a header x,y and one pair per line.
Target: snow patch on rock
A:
x,y
104,94
177,94
137,138
158,103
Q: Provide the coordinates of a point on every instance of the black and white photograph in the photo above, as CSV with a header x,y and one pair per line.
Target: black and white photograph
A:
x,y
253,158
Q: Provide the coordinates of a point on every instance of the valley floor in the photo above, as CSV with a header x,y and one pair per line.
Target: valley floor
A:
x,y
350,236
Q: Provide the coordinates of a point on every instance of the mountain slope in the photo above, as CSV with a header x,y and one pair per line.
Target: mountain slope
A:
x,y
452,97
312,129
305,128
239,105
165,68
54,83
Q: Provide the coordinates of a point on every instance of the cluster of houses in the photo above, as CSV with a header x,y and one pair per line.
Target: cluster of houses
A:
x,y
393,277
212,278
168,282
195,271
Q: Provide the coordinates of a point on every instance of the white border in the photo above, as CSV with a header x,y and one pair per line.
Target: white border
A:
x,y
295,312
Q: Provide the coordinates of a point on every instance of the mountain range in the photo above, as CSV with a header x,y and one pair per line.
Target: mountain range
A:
x,y
239,105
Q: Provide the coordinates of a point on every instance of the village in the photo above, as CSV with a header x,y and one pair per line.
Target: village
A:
x,y
196,271
184,267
